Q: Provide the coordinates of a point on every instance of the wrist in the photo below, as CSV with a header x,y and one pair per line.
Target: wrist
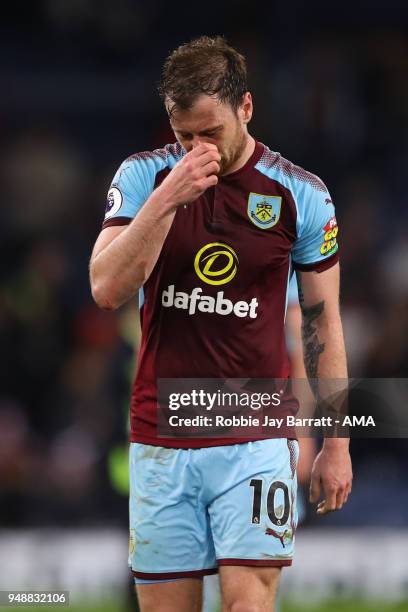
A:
x,y
164,200
336,444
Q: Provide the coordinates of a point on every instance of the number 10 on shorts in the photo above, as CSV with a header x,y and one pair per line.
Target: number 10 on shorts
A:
x,y
278,503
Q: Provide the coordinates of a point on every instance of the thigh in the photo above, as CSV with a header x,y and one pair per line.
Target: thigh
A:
x,y
249,588
183,595
254,518
170,534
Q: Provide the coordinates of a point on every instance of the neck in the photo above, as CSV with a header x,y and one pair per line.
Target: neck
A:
x,y
243,157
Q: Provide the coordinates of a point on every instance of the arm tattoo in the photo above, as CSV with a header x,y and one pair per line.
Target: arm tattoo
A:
x,y
312,347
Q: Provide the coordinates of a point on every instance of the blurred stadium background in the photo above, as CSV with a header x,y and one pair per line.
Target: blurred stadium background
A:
x,y
330,83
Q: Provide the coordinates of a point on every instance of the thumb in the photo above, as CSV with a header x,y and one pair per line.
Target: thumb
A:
x,y
314,491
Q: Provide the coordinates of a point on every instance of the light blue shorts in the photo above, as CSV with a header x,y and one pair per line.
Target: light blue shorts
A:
x,y
196,509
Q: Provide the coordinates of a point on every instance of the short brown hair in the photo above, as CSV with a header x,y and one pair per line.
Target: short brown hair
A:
x,y
205,65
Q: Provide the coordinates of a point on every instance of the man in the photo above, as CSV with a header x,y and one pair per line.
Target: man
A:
x,y
207,231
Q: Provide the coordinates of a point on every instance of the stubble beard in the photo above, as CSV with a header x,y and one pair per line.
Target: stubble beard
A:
x,y
227,161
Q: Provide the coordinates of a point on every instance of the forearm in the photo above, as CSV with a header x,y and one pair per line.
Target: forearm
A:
x,y
124,265
122,262
323,343
325,363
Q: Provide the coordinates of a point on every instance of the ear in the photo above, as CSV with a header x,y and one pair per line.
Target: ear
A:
x,y
247,107
169,106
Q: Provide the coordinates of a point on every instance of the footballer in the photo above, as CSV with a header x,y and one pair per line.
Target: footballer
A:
x,y
207,232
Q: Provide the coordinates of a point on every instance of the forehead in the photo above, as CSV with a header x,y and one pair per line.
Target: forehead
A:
x,y
206,112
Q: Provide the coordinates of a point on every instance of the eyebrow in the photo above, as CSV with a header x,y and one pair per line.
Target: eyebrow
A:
x,y
203,132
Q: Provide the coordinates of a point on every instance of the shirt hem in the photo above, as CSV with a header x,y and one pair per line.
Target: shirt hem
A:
x,y
186,443
318,266
116,221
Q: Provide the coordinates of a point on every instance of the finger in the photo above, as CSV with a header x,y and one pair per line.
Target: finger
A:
x,y
209,181
321,508
314,491
207,157
340,498
203,147
347,493
212,168
336,498
331,497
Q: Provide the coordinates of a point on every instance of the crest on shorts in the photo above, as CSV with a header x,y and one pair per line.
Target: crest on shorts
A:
x,y
264,210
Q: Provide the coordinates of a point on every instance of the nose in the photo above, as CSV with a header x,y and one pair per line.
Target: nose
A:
x,y
195,142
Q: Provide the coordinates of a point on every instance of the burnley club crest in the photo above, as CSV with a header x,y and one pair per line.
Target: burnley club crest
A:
x,y
264,210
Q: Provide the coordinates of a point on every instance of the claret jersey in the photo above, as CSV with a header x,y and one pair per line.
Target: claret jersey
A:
x,y
214,305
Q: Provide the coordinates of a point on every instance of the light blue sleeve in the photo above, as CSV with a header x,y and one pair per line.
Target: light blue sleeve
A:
x,y
132,185
316,226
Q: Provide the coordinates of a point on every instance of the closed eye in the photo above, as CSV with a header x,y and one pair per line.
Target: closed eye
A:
x,y
205,133
211,133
